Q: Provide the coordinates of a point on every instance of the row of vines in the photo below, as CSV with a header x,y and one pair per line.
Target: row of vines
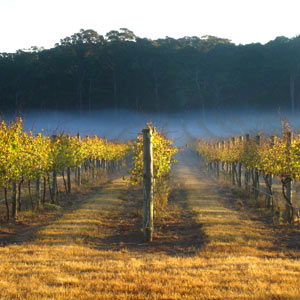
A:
x,y
163,159
267,157
27,157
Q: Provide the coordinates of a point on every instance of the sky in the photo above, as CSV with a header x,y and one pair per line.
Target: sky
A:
x,y
42,23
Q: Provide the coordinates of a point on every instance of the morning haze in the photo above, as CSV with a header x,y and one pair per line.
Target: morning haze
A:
x,y
89,74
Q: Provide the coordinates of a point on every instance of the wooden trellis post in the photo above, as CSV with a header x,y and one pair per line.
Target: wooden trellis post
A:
x,y
233,164
68,174
270,201
289,185
228,170
54,176
223,147
247,172
218,162
256,173
241,140
147,185
78,169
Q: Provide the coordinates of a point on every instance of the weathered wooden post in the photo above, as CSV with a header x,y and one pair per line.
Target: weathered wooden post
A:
x,y
241,140
247,172
227,164
54,176
207,163
256,173
218,162
69,186
270,202
223,147
289,185
213,164
148,185
78,169
233,164
68,174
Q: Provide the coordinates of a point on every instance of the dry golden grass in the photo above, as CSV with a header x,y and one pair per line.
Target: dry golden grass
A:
x,y
206,247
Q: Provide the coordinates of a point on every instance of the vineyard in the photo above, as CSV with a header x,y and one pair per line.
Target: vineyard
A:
x,y
27,158
251,158
270,159
144,219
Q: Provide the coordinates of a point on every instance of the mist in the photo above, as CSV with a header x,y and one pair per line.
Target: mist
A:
x,y
125,124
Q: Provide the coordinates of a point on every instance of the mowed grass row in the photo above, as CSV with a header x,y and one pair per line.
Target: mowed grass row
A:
x,y
95,251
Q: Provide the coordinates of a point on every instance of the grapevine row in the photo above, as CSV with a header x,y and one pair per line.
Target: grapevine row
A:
x,y
163,158
27,157
258,156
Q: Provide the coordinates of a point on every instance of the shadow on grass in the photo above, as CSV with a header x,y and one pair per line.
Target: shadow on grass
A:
x,y
289,238
19,232
285,237
176,233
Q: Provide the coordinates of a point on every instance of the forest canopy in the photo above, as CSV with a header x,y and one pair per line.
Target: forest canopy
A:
x,y
88,71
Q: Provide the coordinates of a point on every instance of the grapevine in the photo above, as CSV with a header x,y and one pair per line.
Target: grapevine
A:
x,y
25,156
163,158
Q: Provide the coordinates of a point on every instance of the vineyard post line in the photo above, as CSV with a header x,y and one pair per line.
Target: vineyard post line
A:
x,y
247,172
241,141
147,185
272,196
78,168
289,185
233,164
290,208
54,176
256,171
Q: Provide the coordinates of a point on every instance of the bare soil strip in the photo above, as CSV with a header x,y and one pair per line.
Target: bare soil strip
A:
x,y
207,246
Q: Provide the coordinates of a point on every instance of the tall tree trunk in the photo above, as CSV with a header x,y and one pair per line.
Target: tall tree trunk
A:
x,y
203,109
90,96
199,88
115,92
156,91
17,104
80,97
292,92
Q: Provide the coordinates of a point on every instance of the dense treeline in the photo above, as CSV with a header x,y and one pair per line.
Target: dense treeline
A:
x,y
88,71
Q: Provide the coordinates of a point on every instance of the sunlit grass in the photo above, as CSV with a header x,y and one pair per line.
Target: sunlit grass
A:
x,y
84,255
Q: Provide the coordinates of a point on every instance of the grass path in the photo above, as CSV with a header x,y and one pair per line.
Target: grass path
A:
x,y
206,247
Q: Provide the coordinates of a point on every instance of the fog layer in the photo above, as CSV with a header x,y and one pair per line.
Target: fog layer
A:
x,y
125,124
